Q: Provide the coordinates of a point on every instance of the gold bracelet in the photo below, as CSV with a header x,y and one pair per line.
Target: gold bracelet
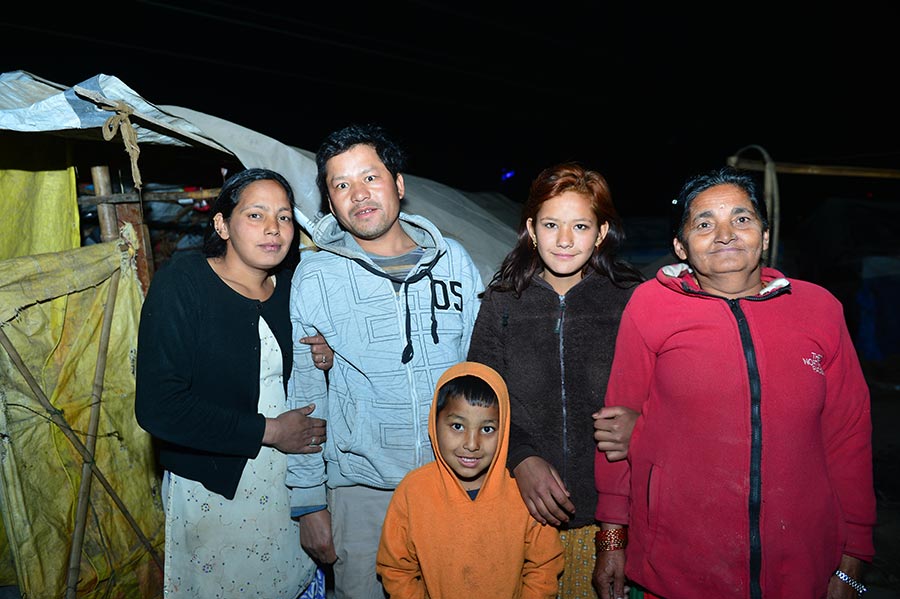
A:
x,y
612,539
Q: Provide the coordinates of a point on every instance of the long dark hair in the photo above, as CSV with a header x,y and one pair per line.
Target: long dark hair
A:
x,y
523,262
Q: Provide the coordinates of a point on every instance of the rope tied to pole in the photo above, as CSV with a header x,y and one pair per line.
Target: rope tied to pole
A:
x,y
121,123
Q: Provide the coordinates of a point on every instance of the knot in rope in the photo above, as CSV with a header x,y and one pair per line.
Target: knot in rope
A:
x,y
120,122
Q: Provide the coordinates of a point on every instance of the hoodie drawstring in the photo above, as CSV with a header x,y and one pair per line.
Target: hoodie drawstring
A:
x,y
408,350
425,271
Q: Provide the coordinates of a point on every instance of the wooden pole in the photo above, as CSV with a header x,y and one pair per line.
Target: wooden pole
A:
x,y
106,213
813,169
84,491
113,214
132,213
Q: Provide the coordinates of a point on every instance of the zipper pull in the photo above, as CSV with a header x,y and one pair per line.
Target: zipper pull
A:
x,y
562,308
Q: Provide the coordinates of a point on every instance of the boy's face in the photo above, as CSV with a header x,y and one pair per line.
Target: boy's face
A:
x,y
467,439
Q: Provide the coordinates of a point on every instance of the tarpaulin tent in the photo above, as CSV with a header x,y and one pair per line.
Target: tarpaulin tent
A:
x,y
68,317
80,496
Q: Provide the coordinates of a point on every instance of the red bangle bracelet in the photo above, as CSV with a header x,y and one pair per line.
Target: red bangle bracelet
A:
x,y
612,539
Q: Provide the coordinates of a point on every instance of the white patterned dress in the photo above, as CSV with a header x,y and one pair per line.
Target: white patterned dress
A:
x,y
246,547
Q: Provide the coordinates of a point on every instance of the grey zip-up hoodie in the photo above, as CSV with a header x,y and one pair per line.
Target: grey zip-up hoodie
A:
x,y
390,349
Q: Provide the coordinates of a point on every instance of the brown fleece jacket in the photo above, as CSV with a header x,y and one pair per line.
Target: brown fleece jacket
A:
x,y
555,354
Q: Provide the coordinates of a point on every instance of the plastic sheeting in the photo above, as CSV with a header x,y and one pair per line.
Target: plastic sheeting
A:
x,y
487,236
30,104
51,310
38,209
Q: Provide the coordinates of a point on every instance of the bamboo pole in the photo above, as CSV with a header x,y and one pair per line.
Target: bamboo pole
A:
x,y
111,214
148,196
84,491
813,169
60,421
106,213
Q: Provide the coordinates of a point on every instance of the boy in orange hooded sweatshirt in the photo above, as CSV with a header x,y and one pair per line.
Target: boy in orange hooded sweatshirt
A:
x,y
457,527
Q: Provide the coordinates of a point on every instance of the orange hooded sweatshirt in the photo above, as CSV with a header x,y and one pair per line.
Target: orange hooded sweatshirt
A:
x,y
439,543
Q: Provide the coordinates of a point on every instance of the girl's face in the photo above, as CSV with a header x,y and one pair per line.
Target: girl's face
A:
x,y
566,232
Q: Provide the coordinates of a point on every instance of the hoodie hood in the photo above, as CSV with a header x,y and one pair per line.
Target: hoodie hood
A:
x,y
329,235
493,480
437,542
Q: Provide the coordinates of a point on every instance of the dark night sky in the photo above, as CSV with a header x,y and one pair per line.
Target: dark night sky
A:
x,y
645,95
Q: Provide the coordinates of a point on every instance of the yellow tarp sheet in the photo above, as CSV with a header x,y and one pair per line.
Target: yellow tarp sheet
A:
x,y
51,310
38,206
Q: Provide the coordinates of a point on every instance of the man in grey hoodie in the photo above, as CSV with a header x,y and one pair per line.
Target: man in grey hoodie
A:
x,y
396,302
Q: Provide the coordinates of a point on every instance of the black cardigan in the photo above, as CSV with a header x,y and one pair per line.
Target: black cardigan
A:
x,y
198,370
550,416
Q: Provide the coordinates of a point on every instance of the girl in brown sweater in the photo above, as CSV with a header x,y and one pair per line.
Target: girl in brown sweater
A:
x,y
548,324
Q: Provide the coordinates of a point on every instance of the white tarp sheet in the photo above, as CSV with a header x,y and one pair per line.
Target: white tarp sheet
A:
x,y
29,103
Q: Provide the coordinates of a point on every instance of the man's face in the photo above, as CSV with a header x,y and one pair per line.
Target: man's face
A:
x,y
363,195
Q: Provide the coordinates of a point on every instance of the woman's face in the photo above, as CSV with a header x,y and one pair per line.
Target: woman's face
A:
x,y
566,232
261,229
723,238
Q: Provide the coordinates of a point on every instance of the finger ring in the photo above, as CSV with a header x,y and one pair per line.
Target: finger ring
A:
x,y
312,441
323,358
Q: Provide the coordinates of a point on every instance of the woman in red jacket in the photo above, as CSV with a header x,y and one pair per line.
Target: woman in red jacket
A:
x,y
749,472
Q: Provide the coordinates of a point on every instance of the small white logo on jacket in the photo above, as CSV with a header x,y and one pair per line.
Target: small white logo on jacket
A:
x,y
815,362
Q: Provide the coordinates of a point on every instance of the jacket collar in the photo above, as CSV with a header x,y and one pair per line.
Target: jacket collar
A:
x,y
679,277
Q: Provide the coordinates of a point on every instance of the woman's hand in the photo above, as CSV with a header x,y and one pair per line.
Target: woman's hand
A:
x,y
321,353
609,574
837,588
295,431
543,491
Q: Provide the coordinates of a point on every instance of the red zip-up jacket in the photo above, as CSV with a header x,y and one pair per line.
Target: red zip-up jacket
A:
x,y
750,469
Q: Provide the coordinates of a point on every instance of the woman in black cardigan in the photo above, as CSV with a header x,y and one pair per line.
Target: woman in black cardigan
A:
x,y
214,355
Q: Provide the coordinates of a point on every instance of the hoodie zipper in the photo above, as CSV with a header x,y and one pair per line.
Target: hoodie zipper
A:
x,y
560,323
